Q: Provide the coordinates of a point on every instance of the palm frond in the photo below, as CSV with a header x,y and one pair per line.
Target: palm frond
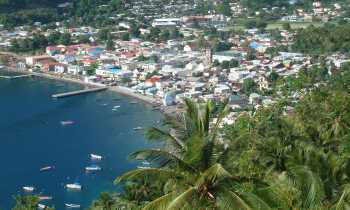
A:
x,y
309,184
343,203
160,203
227,199
156,173
157,134
221,116
161,157
183,199
213,175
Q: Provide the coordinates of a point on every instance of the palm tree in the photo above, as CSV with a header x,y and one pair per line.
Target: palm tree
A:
x,y
191,168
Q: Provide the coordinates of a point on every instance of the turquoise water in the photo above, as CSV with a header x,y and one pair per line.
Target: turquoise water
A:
x,y
31,136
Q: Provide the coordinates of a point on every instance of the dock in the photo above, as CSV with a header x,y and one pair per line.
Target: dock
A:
x,y
78,92
15,77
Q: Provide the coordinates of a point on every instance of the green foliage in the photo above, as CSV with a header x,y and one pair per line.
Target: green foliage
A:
x,y
249,86
110,44
327,39
229,64
27,203
222,46
43,15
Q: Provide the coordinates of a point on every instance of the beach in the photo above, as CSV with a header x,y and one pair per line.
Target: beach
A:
x,y
167,110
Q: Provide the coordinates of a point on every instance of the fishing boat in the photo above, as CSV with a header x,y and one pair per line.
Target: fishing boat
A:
x,y
74,186
70,205
28,188
45,198
67,122
93,168
138,128
95,157
47,168
144,165
41,206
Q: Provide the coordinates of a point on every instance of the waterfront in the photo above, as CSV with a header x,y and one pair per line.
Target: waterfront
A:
x,y
31,136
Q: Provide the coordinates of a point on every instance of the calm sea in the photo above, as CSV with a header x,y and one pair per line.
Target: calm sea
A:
x,y
32,136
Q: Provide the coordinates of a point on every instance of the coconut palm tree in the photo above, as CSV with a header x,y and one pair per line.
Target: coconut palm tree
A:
x,y
191,168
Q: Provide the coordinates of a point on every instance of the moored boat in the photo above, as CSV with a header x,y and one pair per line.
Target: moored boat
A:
x,y
71,205
28,188
95,157
47,168
41,206
44,198
74,186
93,168
138,128
67,122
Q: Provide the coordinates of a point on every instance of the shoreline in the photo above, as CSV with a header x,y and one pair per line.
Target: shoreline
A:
x,y
169,110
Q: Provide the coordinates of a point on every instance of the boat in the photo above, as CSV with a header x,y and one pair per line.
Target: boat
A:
x,y
47,168
138,128
143,167
133,102
28,188
67,122
116,107
146,163
95,157
41,206
71,205
74,186
44,198
93,168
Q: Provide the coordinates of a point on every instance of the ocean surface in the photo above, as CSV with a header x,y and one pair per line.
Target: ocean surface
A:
x,y
32,136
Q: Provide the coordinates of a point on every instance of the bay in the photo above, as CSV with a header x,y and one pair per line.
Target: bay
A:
x,y
32,136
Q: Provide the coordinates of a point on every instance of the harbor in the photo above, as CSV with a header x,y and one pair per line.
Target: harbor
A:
x,y
84,152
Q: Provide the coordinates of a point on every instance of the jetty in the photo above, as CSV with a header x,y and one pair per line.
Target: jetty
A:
x,y
79,92
15,77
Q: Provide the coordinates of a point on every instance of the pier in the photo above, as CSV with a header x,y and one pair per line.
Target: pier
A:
x,y
79,92
15,77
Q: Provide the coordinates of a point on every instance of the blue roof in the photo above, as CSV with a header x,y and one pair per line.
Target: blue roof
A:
x,y
254,45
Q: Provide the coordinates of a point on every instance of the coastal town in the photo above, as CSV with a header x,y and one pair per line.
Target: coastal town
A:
x,y
240,66
248,98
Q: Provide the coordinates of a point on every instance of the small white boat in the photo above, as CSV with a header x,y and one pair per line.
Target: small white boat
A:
x,y
116,107
41,206
143,167
47,168
93,168
138,128
146,163
74,186
28,188
67,122
45,198
95,157
70,205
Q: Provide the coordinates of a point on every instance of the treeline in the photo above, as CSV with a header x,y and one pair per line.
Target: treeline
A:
x,y
29,16
14,5
39,42
327,39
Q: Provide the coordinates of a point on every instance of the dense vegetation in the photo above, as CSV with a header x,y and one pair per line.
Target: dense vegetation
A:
x,y
327,39
272,158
